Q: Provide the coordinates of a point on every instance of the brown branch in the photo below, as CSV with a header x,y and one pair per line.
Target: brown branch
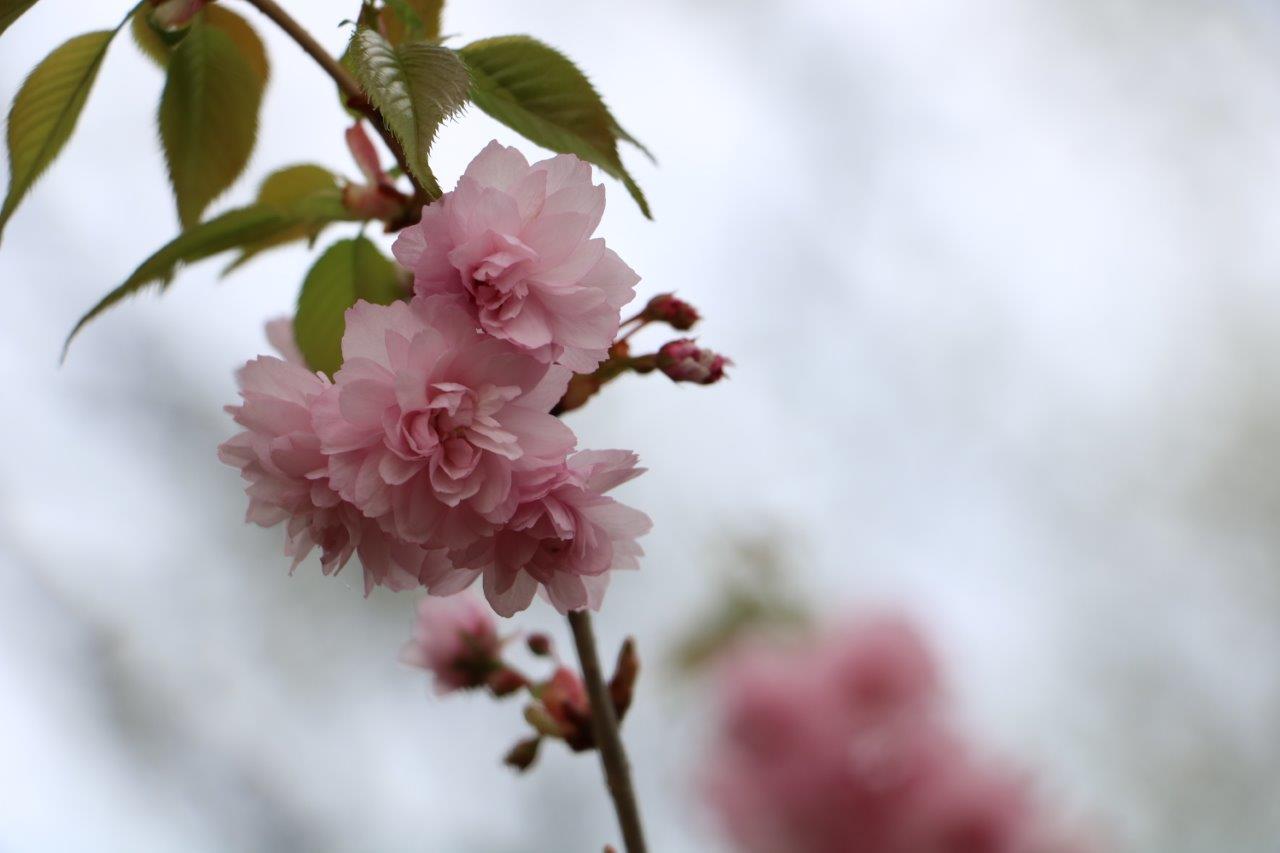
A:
x,y
604,722
352,93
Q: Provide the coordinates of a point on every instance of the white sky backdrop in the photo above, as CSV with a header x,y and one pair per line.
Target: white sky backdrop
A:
x,y
1001,280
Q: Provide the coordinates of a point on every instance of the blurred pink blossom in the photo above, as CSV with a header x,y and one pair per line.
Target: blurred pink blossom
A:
x,y
279,455
456,640
515,241
840,745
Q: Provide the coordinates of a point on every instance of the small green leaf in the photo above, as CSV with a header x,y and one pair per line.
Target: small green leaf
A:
x,y
348,271
240,227
46,109
11,10
415,87
412,20
539,93
310,192
208,117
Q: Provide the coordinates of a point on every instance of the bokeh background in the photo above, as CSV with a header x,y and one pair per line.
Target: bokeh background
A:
x,y
1002,282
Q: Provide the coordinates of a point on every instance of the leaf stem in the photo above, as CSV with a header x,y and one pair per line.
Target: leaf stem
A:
x,y
351,91
604,722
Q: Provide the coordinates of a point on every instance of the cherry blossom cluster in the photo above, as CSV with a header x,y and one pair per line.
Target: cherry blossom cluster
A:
x,y
433,454
840,745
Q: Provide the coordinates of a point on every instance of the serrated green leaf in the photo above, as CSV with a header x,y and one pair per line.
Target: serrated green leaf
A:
x,y
235,228
539,93
311,193
11,10
415,87
412,20
208,117
348,271
46,109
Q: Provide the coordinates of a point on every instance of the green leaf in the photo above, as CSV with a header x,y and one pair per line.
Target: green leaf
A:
x,y
46,110
158,43
240,227
208,117
415,87
154,43
11,10
539,93
348,271
311,192
412,20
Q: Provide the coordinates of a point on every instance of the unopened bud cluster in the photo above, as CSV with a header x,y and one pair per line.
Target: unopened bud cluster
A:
x,y
456,639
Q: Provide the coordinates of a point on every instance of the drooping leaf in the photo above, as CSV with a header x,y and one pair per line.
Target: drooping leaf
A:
x,y
349,270
11,10
208,117
415,86
412,20
539,93
240,227
46,109
307,190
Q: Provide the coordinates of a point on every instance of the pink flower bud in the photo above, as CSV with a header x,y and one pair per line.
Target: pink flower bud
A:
x,y
456,640
562,710
665,308
685,361
378,197
175,14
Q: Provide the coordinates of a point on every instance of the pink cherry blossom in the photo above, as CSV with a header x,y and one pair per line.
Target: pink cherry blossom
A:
x,y
279,454
564,537
841,744
515,240
456,640
280,336
428,418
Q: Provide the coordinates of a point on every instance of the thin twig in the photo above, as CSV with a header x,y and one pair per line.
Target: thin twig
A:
x,y
604,722
351,91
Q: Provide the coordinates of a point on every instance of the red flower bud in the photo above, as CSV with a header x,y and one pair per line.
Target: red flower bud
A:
x,y
665,308
685,361
504,682
539,644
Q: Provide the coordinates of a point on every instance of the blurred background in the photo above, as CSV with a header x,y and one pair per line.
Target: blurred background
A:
x,y
1002,285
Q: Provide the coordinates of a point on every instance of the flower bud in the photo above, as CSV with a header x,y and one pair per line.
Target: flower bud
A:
x,y
539,644
523,754
505,681
622,685
685,361
666,308
175,14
